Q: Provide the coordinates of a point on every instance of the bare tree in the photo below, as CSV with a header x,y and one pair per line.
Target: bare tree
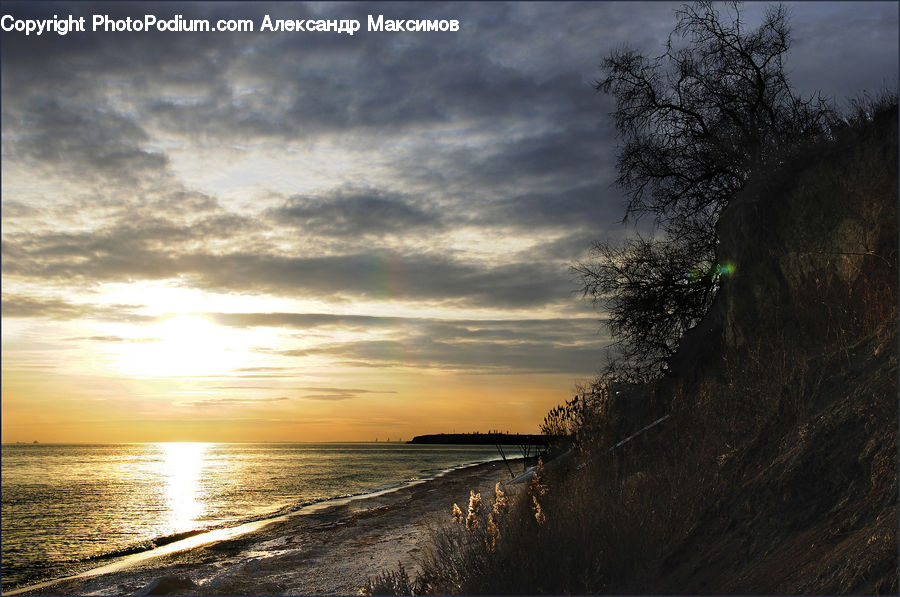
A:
x,y
699,119
653,291
695,124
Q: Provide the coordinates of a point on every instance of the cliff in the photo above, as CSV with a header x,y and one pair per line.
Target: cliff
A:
x,y
773,466
800,351
771,463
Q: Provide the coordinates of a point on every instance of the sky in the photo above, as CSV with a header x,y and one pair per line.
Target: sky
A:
x,y
312,236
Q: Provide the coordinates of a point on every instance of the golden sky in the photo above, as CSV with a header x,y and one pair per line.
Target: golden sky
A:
x,y
317,237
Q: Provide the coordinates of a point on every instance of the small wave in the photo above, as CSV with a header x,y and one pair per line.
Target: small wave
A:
x,y
138,547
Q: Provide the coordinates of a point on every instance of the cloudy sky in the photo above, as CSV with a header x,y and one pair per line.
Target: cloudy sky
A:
x,y
310,236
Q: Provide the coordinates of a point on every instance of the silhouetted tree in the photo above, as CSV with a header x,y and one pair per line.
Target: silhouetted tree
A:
x,y
695,123
698,120
653,291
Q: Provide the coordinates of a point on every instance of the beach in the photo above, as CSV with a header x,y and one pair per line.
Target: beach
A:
x,y
328,549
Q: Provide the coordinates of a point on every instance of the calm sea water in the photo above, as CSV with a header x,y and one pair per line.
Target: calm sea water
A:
x,y
65,507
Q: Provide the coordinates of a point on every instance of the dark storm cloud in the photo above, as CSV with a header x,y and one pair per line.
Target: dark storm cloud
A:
x,y
114,339
81,141
484,356
312,393
131,235
572,209
208,402
13,305
349,391
353,212
302,320
16,209
575,329
552,345
339,393
134,247
495,126
385,275
179,202
146,251
574,247
233,88
289,85
540,117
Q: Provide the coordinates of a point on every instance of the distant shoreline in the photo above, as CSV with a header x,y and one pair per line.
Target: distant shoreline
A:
x,y
481,439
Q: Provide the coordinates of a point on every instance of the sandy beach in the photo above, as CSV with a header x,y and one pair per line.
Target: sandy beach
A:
x,y
328,550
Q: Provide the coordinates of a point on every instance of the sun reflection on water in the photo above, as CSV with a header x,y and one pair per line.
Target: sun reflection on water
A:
x,y
182,465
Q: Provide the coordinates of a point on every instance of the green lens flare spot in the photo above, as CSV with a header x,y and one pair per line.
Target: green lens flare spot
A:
x,y
725,269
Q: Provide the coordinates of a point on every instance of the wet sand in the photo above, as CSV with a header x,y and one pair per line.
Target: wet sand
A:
x,y
328,550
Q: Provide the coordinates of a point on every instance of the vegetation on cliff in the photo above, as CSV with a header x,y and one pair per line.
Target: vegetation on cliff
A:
x,y
775,470
696,125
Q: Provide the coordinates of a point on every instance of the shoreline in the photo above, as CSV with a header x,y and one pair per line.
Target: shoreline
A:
x,y
163,545
329,547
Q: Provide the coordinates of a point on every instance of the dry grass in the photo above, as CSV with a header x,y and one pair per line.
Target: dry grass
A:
x,y
390,582
734,462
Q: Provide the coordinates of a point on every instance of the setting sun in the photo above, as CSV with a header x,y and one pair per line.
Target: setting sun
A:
x,y
179,346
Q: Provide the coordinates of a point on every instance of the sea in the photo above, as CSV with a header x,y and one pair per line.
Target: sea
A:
x,y
68,508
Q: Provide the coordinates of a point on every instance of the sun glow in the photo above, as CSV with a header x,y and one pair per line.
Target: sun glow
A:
x,y
181,346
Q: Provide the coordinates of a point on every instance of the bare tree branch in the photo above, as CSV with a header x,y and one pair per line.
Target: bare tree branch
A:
x,y
695,124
